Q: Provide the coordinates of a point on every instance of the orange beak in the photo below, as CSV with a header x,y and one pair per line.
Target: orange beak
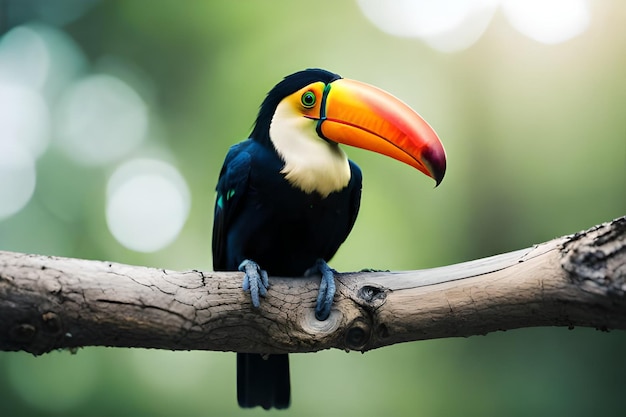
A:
x,y
360,115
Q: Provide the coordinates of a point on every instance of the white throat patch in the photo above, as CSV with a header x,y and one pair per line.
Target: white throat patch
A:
x,y
311,163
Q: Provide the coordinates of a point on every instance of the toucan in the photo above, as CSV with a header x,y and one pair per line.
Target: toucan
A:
x,y
288,196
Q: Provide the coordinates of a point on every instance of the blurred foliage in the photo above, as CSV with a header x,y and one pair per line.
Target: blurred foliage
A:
x,y
536,141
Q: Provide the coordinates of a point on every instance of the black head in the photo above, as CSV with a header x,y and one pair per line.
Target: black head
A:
x,y
289,85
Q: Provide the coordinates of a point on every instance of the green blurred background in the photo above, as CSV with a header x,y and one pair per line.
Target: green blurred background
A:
x,y
115,117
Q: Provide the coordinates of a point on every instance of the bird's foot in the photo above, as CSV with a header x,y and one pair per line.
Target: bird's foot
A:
x,y
255,280
327,289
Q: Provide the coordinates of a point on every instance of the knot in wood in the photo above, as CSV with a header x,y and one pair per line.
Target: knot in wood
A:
x,y
372,295
357,335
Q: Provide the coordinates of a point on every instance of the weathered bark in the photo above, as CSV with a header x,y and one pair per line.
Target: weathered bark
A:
x,y
48,302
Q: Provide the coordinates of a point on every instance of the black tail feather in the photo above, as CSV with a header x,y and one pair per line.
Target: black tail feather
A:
x,y
263,381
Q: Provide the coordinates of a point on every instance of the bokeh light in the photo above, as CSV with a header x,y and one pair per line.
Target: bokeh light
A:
x,y
455,25
448,25
548,21
65,61
24,58
147,205
24,118
101,119
17,177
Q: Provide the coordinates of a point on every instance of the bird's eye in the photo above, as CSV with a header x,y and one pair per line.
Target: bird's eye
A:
x,y
308,99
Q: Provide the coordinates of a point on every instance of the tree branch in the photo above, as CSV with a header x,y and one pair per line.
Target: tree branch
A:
x,y
48,302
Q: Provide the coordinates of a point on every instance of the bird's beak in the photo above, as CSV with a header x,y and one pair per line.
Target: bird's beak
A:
x,y
360,115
